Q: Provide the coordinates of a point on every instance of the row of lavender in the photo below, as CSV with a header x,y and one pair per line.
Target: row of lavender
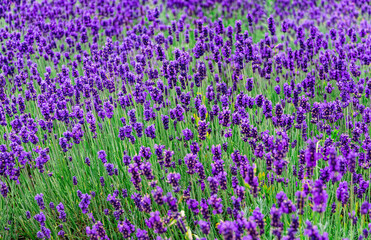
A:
x,y
185,119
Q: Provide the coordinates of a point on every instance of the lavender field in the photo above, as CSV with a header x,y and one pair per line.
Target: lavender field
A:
x,y
196,120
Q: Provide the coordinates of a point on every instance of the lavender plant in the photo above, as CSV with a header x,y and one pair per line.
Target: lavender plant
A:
x,y
228,119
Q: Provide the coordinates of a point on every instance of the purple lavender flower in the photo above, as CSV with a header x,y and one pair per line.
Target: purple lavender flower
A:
x,y
173,180
142,234
320,196
313,233
74,180
96,231
342,193
271,25
40,201
62,213
205,227
156,223
40,218
188,135
4,190
126,228
150,131
228,230
109,168
102,156
84,204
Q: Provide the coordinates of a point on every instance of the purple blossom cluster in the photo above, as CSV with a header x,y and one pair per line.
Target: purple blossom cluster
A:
x,y
228,119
